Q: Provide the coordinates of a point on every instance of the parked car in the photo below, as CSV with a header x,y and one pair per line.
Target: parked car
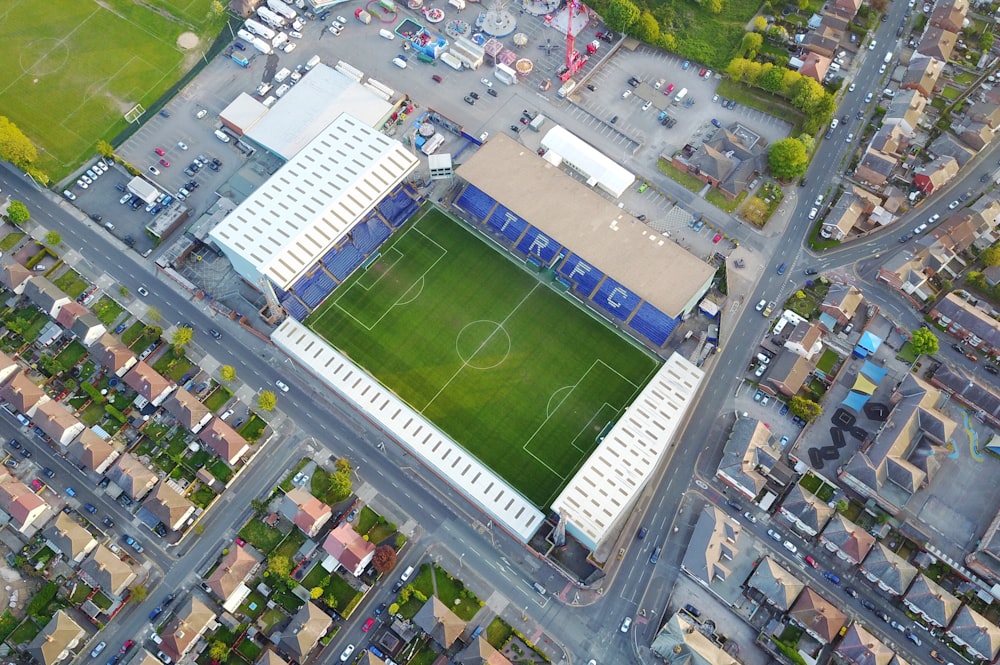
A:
x,y
831,577
155,613
98,649
626,624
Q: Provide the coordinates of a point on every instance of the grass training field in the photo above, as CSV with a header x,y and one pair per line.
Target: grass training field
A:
x,y
518,374
72,68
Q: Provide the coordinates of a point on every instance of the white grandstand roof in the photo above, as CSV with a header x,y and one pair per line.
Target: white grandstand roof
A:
x,y
312,201
605,488
448,460
600,169
310,106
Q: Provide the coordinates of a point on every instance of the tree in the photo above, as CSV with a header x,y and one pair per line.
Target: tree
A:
x,y
217,8
228,373
384,558
621,15
342,464
986,41
924,342
806,409
991,256
330,599
267,400
755,211
17,212
842,505
105,149
759,23
316,592
218,650
714,6
181,337
646,28
53,238
259,506
279,565
15,147
340,485
880,6
123,292
139,593
788,159
751,42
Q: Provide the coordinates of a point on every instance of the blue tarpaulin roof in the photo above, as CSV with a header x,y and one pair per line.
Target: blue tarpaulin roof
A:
x,y
855,401
873,372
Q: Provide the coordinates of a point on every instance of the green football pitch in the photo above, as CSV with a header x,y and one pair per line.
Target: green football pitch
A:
x,y
510,369
73,68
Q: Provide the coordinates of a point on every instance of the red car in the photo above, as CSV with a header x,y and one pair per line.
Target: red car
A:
x,y
159,151
702,72
812,562
128,645
36,485
670,89
241,542
164,162
717,238
368,625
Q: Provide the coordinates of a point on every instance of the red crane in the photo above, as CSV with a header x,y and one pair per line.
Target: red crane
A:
x,y
570,39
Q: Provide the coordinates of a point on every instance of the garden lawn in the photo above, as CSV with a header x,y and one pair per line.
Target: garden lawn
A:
x,y
260,535
71,283
25,632
685,180
253,428
10,240
498,632
218,398
345,594
107,310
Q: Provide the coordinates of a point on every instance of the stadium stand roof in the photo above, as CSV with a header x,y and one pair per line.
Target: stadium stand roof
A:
x,y
657,269
310,106
444,457
600,170
605,488
243,113
312,201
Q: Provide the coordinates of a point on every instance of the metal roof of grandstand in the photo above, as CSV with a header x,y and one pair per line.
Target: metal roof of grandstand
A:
x,y
606,487
309,107
599,169
657,269
312,201
446,459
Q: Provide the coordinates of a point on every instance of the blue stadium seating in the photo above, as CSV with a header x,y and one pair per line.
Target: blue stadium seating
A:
x,y
302,283
362,239
295,308
616,299
506,223
379,230
546,248
347,259
475,202
586,280
397,207
653,324
278,291
325,282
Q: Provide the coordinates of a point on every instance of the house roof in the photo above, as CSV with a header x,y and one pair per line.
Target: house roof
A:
x,y
932,600
938,43
749,455
775,583
147,381
849,538
713,546
56,641
232,571
71,538
309,512
269,657
971,318
818,615
923,73
224,440
56,420
347,546
946,145
893,570
87,324
112,354
45,295
17,500
845,214
22,392
845,298
859,647
876,166
790,370
976,631
69,313
186,408
132,476
815,66
682,642
192,619
106,570
308,625
481,652
168,505
438,621
807,508
90,450
14,275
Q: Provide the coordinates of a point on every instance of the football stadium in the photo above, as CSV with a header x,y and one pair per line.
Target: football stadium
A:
x,y
519,375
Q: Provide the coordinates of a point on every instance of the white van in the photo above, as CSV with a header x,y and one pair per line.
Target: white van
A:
x,y
312,62
406,574
386,34
269,101
399,62
222,136
282,89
